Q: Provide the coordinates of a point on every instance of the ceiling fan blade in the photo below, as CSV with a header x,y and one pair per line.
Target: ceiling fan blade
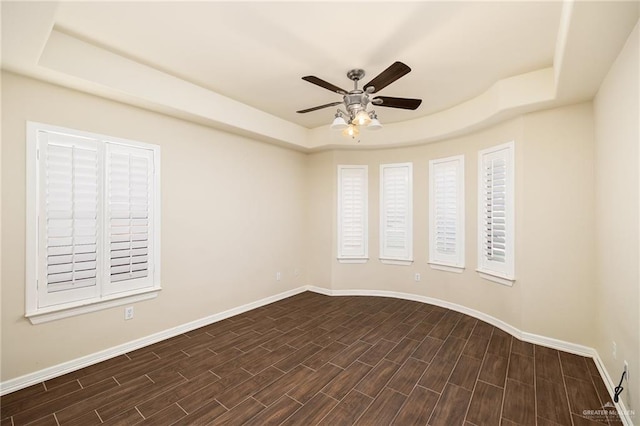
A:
x,y
403,103
302,111
320,82
388,76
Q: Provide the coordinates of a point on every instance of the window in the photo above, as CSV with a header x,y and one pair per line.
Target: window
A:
x,y
93,222
446,213
352,214
396,213
496,213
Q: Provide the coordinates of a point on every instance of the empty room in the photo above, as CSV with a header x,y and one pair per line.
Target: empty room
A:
x,y
304,213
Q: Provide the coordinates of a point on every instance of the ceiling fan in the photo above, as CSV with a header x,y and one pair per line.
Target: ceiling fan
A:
x,y
357,100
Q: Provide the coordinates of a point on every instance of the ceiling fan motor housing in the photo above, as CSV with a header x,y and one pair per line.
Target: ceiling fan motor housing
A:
x,y
356,101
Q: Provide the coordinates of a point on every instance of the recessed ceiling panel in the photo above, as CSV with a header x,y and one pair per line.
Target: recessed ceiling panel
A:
x,y
256,53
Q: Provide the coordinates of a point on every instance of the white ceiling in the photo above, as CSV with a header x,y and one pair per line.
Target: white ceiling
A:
x,y
255,53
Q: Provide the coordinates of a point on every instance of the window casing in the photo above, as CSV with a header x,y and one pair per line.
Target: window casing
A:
x,y
496,215
396,213
352,214
93,233
446,213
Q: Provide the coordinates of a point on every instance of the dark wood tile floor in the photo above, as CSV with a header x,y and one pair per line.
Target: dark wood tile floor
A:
x,y
313,359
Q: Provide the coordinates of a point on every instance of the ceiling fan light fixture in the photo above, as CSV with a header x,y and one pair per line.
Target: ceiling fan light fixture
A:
x,y
339,123
362,118
351,131
375,123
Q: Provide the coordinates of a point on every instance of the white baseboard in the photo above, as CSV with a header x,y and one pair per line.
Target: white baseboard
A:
x,y
21,382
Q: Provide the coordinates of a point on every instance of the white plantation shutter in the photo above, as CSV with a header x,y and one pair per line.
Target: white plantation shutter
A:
x,y
494,215
446,212
396,215
69,243
130,217
352,213
496,211
92,222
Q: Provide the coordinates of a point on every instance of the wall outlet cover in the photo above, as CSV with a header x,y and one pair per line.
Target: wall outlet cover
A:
x,y
128,313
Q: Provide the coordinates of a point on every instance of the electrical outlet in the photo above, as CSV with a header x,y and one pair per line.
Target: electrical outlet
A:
x,y
615,351
128,313
626,370
417,277
278,276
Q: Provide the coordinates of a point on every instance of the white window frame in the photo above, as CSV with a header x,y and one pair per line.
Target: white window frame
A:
x,y
104,298
447,262
388,255
499,272
363,256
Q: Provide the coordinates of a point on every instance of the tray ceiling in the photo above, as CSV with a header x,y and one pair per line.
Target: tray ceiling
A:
x,y
255,53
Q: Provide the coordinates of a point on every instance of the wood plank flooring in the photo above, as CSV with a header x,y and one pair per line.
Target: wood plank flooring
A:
x,y
313,359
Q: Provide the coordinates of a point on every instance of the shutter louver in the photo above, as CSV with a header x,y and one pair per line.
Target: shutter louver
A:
x,y
446,214
129,203
72,217
68,244
446,209
396,212
495,174
496,219
395,202
352,214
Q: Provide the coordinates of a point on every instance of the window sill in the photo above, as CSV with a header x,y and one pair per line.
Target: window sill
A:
x,y
53,313
496,277
396,262
353,260
447,268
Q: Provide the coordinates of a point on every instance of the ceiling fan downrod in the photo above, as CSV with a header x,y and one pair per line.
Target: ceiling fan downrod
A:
x,y
356,100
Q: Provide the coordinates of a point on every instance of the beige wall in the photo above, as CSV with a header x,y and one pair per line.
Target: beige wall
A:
x,y
618,214
556,249
554,288
320,233
231,218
